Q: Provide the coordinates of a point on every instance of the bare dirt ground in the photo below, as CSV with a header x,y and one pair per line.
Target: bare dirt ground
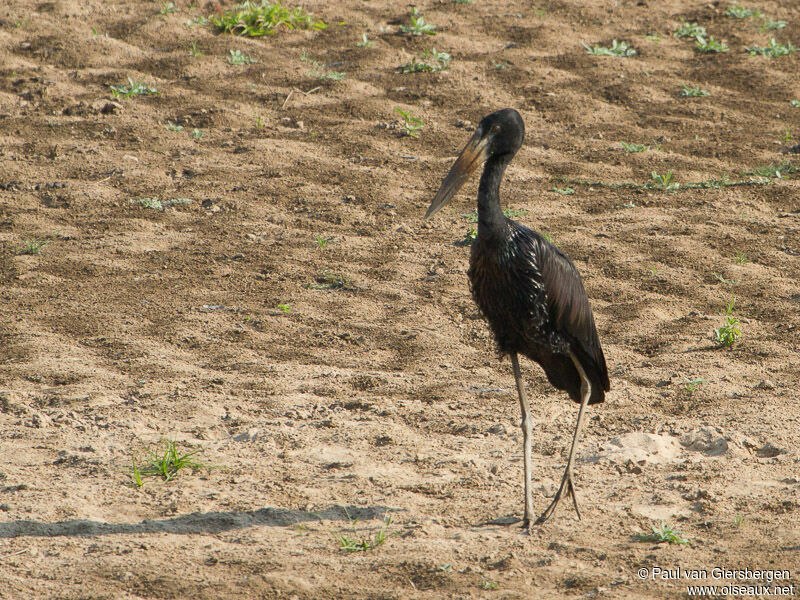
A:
x,y
208,321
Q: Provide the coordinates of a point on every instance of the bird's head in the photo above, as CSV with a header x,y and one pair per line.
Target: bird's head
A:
x,y
498,134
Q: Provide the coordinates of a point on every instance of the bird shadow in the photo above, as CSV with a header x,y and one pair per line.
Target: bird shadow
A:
x,y
506,521
193,523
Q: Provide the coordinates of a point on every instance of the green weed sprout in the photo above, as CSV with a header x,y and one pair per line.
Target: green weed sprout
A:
x,y
254,20
731,330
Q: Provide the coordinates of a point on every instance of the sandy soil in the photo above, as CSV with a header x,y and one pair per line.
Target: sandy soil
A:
x,y
383,397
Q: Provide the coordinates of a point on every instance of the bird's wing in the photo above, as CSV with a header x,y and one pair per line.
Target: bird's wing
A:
x,y
568,305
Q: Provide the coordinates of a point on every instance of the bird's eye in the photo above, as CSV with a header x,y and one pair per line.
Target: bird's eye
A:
x,y
495,128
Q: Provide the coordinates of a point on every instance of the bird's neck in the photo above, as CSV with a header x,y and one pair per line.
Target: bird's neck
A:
x,y
490,216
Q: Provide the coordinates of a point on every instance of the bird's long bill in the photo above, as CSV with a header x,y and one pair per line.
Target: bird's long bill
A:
x,y
471,157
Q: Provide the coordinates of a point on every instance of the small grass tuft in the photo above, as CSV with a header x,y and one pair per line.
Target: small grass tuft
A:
x,y
664,534
740,12
711,45
167,8
563,191
196,21
723,280
322,241
770,25
411,125
470,236
775,171
617,49
133,89
166,464
418,25
693,92
173,127
285,308
152,203
514,213
194,50
136,474
692,385
254,20
631,148
32,246
359,542
488,585
774,50
731,331
690,30
237,57
318,70
663,182
739,258
440,62
364,43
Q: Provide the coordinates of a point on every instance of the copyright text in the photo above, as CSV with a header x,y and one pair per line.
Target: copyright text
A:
x,y
721,581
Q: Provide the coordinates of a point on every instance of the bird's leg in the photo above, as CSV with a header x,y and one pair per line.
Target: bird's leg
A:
x,y
526,442
567,487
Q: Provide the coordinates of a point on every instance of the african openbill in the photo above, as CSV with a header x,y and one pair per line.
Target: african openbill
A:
x,y
528,290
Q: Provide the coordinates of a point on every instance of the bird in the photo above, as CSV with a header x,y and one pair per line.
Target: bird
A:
x,y
529,291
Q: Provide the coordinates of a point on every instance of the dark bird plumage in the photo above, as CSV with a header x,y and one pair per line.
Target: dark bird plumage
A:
x,y
529,291
533,298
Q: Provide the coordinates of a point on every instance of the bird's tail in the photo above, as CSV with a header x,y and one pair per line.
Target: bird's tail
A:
x,y
562,374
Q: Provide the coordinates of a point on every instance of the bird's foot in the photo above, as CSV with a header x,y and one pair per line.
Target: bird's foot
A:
x,y
567,488
527,525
